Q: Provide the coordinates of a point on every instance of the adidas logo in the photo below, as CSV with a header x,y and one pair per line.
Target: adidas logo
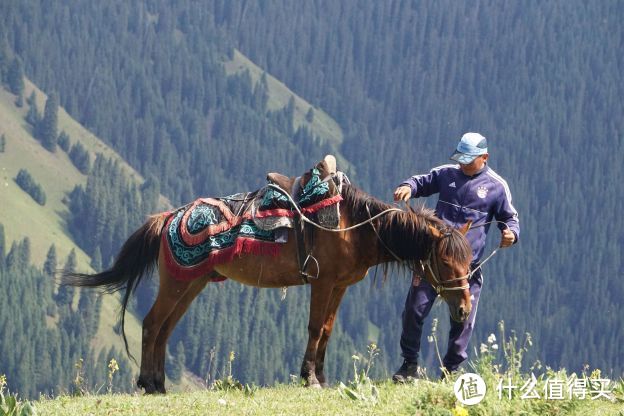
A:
x,y
452,185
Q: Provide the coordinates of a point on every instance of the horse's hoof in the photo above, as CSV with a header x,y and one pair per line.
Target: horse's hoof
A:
x,y
149,388
160,387
314,385
324,385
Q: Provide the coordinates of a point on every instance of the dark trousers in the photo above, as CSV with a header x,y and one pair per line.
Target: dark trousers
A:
x,y
418,304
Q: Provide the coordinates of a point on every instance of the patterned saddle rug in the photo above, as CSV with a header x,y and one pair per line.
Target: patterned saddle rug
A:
x,y
211,231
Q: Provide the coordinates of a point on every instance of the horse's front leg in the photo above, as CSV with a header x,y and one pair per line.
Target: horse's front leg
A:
x,y
328,325
320,294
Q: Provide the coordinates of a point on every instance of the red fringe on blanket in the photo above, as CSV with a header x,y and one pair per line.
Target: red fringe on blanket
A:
x,y
241,246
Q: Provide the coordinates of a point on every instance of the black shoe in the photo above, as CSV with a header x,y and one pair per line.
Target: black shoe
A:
x,y
408,370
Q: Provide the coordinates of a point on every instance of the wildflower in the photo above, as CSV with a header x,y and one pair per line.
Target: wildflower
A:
x,y
459,411
484,348
491,339
113,366
232,355
495,347
430,339
222,402
355,357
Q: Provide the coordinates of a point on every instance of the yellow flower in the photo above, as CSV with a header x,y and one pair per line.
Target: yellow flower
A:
x,y
459,411
113,366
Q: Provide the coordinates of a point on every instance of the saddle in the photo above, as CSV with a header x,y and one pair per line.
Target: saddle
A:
x,y
303,232
283,181
327,167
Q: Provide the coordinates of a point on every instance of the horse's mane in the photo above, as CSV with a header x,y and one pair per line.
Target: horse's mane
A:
x,y
406,233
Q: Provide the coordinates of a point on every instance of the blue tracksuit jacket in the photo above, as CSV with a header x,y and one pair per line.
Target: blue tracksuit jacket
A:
x,y
480,198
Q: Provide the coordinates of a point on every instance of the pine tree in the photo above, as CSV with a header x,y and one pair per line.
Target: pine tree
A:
x,y
310,115
71,263
48,131
16,77
49,267
24,252
65,294
2,246
96,260
64,141
79,156
33,117
5,58
28,184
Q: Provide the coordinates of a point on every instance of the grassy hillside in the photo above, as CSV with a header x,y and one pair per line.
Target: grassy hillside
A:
x,y
20,214
46,225
322,125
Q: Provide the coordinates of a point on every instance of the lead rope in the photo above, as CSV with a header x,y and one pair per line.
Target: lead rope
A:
x,y
335,230
493,251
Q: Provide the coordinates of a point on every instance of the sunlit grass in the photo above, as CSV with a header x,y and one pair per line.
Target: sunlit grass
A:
x,y
500,359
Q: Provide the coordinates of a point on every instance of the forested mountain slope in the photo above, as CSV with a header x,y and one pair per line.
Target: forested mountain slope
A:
x,y
35,243
543,81
403,80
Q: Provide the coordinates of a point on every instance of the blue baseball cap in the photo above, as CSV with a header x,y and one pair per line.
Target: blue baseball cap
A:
x,y
469,147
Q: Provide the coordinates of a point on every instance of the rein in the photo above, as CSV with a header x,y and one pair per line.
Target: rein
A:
x,y
440,288
437,284
319,226
426,265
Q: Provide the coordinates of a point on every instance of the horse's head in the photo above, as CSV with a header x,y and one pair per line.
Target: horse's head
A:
x,y
447,269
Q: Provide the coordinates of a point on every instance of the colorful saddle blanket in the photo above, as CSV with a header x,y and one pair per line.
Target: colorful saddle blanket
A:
x,y
212,231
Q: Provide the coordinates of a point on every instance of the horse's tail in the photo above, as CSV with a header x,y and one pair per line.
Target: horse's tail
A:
x,y
136,259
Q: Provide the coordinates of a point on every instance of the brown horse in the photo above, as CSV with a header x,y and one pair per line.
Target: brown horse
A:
x,y
407,238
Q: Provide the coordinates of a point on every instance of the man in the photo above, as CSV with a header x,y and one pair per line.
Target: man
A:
x,y
468,191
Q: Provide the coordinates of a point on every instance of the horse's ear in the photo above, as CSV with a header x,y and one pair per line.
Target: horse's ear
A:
x,y
464,229
435,232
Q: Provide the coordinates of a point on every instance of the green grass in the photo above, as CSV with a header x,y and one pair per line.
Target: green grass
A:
x,y
419,398
362,396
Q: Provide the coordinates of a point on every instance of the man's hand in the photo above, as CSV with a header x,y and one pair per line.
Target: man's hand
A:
x,y
402,193
507,238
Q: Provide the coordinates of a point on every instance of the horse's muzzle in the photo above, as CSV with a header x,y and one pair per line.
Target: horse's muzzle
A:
x,y
460,314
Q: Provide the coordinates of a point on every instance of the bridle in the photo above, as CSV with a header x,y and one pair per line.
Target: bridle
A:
x,y
431,265
436,283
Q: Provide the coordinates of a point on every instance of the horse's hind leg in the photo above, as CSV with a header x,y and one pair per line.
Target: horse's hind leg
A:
x,y
160,348
319,301
169,294
328,325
